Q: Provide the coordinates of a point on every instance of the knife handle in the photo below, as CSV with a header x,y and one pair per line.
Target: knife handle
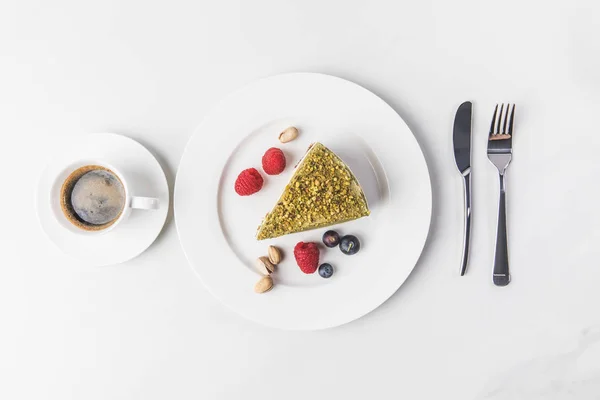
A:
x,y
467,234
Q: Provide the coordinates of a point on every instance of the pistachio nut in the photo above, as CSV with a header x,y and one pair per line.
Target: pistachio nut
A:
x,y
288,134
264,266
274,255
263,285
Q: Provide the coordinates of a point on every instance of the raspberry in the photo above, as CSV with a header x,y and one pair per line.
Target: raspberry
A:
x,y
248,182
307,257
273,161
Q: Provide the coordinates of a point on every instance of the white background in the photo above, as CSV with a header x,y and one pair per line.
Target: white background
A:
x,y
148,329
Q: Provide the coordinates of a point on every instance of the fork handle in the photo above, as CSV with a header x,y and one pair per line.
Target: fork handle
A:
x,y
501,275
467,234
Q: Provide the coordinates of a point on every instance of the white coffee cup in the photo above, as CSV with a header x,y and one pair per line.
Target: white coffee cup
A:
x,y
132,202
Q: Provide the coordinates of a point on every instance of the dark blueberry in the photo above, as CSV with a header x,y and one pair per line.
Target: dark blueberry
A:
x,y
325,270
349,245
331,238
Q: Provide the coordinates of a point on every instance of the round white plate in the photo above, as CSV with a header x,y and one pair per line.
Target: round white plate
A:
x,y
133,235
217,227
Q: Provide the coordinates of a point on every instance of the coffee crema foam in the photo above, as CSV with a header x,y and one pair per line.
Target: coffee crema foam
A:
x,y
92,198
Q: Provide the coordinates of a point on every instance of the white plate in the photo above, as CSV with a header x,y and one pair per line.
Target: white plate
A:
x,y
133,235
217,227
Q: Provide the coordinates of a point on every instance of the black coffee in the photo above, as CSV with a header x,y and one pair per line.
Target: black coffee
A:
x,y
92,197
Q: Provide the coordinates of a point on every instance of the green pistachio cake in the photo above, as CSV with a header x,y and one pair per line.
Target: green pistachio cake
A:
x,y
322,192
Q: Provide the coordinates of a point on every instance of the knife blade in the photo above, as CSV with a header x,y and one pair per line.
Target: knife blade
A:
x,y
462,156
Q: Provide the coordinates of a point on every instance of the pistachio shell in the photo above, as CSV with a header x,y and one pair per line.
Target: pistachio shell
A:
x,y
264,284
288,134
274,255
264,266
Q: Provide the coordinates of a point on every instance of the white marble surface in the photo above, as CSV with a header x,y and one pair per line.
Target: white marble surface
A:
x,y
148,329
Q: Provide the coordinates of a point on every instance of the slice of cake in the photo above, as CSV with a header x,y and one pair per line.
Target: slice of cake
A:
x,y
322,192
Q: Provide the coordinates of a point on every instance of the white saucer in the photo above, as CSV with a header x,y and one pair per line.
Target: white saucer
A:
x,y
132,236
217,227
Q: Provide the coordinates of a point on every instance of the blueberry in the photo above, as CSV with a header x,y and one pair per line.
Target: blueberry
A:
x,y
331,238
349,245
325,270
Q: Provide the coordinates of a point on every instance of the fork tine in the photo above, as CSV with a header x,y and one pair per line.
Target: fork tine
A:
x,y
505,119
512,120
492,126
499,119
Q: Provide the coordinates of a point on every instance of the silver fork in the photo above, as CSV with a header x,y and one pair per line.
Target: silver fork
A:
x,y
500,153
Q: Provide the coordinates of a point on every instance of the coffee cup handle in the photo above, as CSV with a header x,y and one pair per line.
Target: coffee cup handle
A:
x,y
144,203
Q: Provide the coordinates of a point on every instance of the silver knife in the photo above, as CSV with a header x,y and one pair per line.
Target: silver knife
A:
x,y
462,156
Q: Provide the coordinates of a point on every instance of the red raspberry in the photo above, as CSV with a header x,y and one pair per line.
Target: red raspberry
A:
x,y
273,161
307,257
248,182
